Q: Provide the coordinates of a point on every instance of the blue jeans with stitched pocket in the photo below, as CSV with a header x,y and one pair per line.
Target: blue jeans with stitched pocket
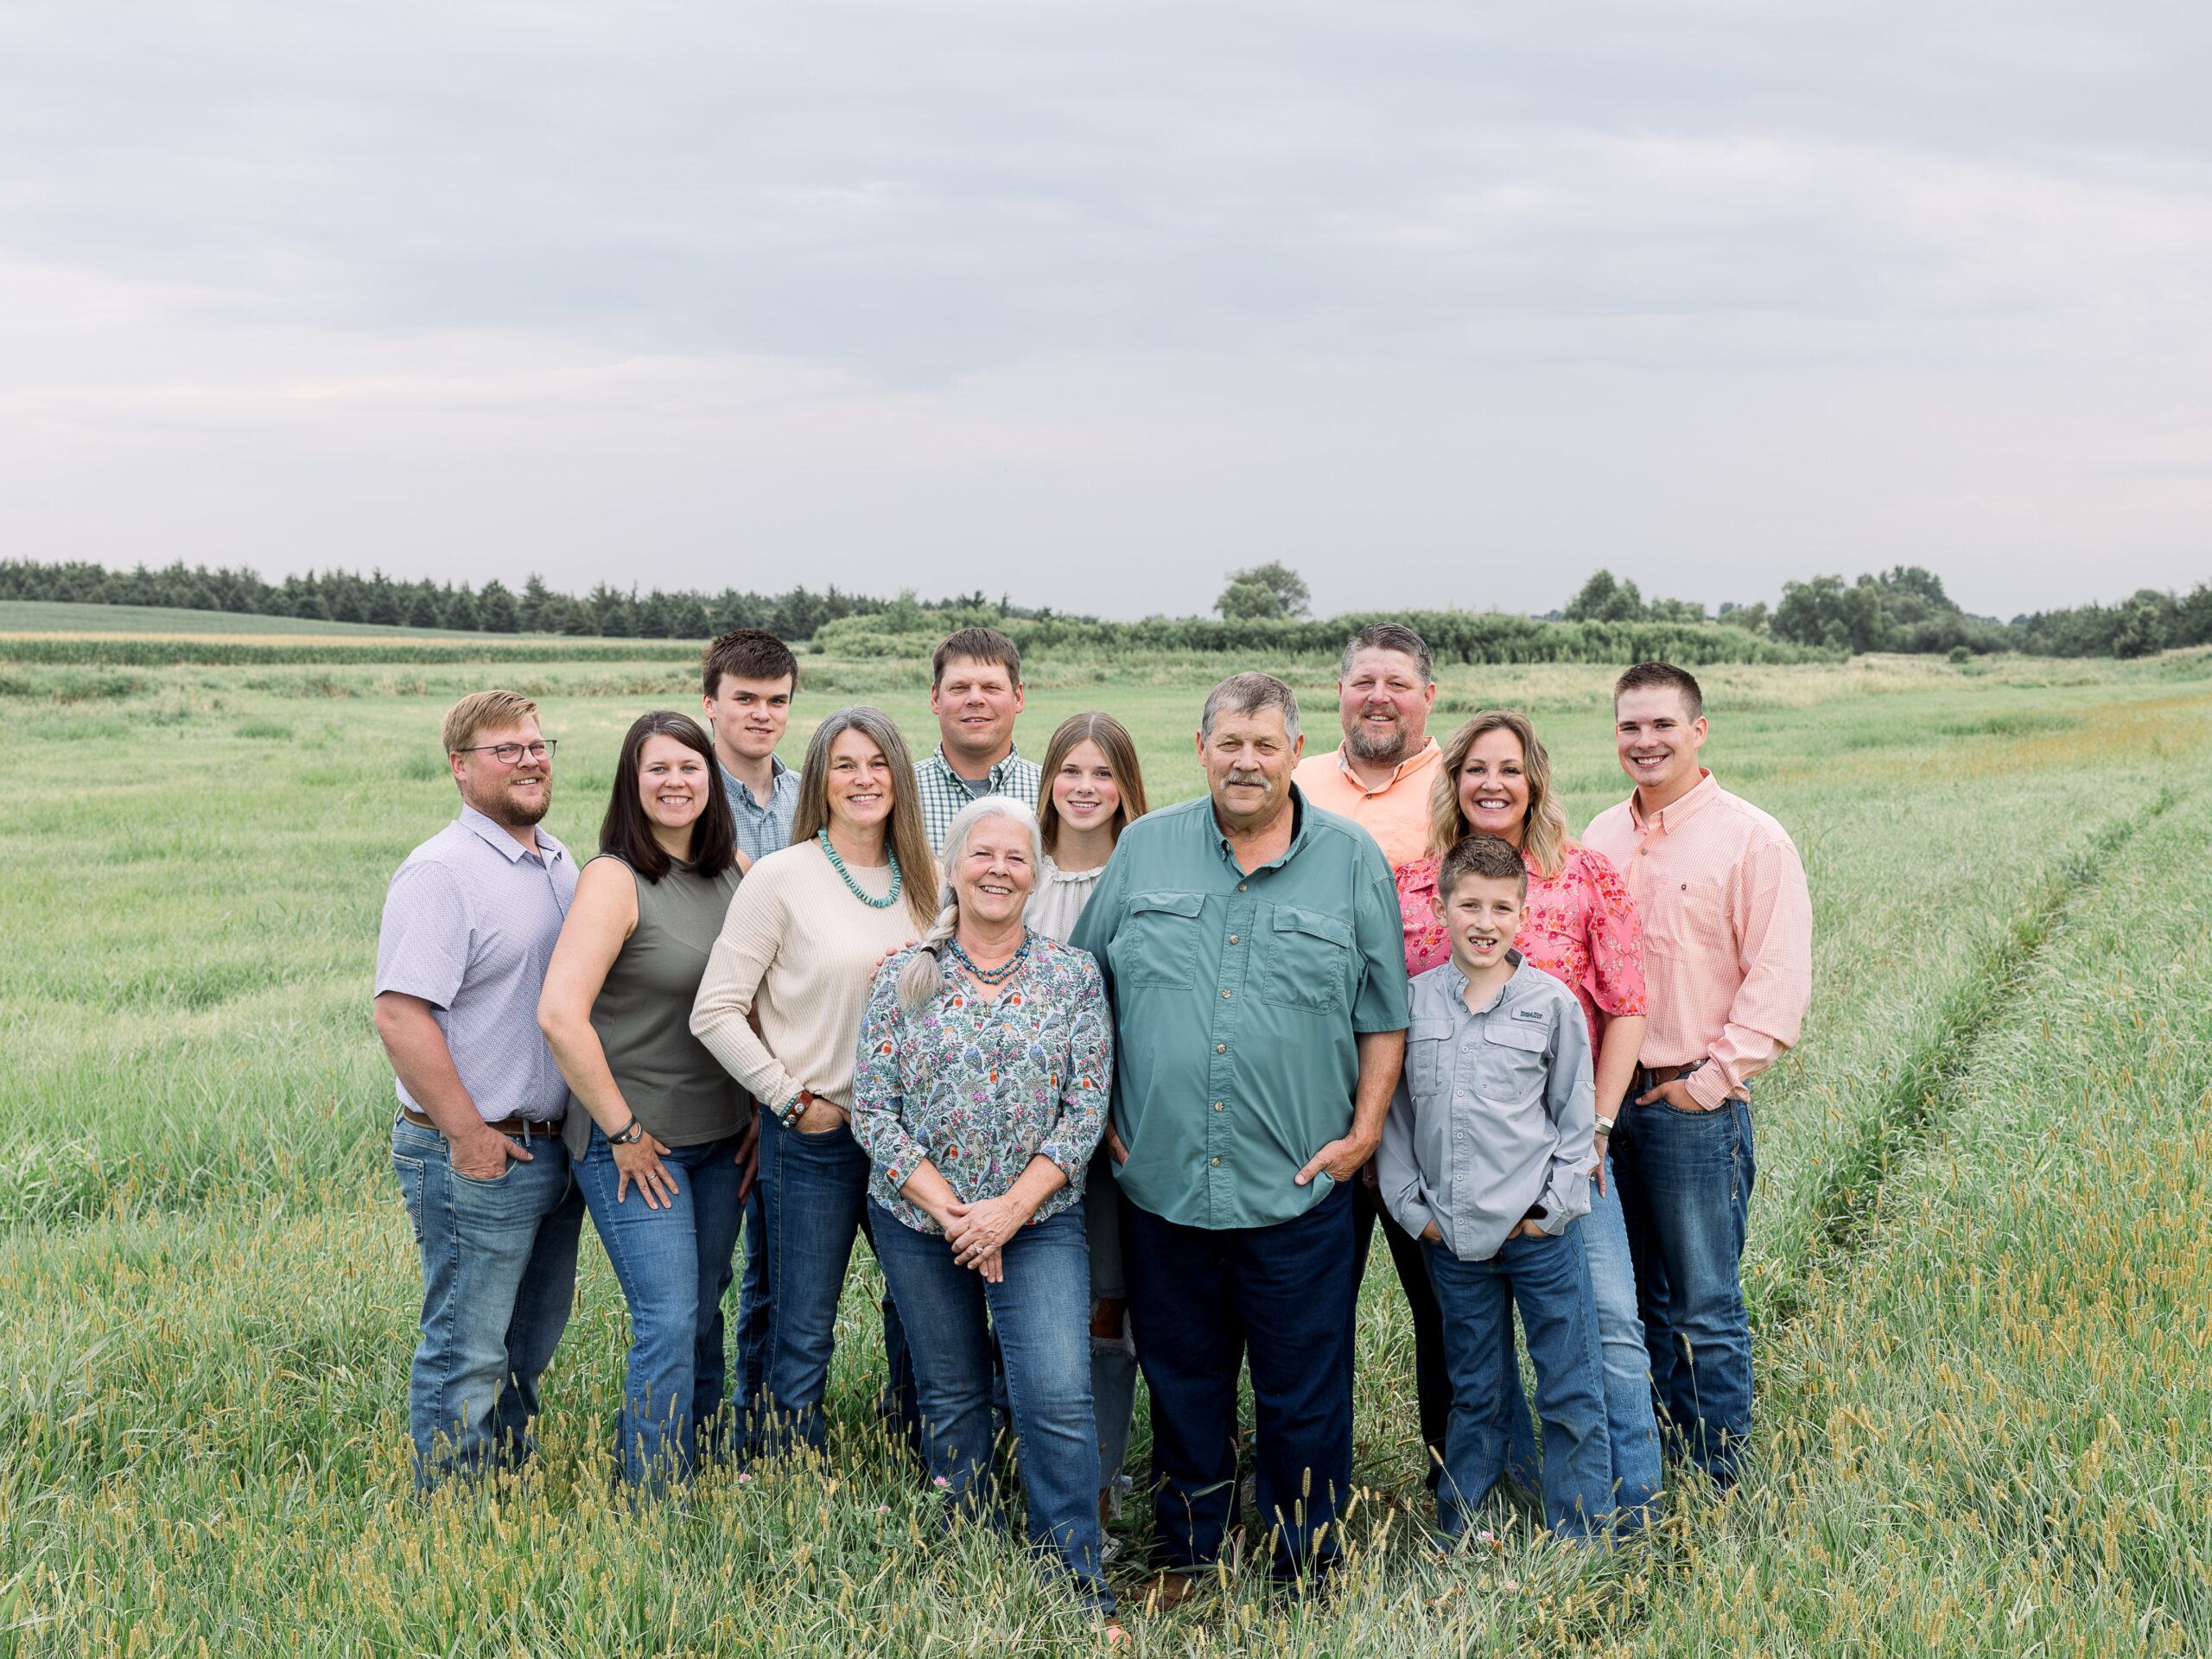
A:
x,y
675,1264
1548,1278
498,1278
1686,1191
1040,1312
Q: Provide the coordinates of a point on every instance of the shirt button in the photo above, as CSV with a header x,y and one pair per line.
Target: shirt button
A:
x,y
1224,993
1240,886
1216,1105
1216,1163
1232,938
1221,1048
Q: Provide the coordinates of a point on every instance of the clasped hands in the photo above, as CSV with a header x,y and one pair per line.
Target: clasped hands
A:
x,y
977,1231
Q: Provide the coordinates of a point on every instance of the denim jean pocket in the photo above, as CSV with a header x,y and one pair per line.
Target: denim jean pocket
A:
x,y
409,1172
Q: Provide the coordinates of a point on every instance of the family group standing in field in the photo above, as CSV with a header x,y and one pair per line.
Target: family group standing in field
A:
x,y
1106,1090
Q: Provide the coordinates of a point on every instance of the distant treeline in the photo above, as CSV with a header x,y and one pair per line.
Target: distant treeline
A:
x,y
1902,609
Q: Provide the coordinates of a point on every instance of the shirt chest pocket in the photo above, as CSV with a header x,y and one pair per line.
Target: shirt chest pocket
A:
x,y
1308,952
1687,918
1428,1058
1512,1057
1158,945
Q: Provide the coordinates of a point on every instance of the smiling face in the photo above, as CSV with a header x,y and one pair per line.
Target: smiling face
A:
x,y
1481,916
995,872
748,716
672,782
859,786
1657,742
515,796
1494,786
1083,790
975,704
1248,760
1384,703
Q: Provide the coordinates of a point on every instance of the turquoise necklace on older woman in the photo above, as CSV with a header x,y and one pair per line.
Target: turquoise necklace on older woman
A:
x,y
845,875
997,976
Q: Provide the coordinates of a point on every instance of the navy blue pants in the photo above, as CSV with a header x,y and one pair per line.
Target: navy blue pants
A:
x,y
1204,1303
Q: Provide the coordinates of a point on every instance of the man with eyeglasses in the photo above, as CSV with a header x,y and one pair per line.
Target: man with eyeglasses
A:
x,y
470,924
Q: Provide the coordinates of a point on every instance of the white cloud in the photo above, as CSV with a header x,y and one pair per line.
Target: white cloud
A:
x,y
1088,303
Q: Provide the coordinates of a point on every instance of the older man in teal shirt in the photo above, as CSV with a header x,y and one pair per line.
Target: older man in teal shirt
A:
x,y
1252,946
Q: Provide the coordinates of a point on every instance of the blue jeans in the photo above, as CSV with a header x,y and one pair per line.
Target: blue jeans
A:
x,y
1630,1423
1113,1360
1202,1302
1548,1280
1685,1182
1042,1312
754,1311
499,1276
674,1265
815,1191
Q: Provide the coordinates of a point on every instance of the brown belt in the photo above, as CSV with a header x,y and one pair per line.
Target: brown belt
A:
x,y
521,1128
1668,1073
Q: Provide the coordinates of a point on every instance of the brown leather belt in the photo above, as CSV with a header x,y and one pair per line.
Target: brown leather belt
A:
x,y
1668,1073
521,1128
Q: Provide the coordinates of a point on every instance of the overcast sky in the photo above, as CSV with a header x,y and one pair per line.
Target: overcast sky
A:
x,y
1090,304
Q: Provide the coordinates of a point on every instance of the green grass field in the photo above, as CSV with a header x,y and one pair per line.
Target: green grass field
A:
x,y
1981,1255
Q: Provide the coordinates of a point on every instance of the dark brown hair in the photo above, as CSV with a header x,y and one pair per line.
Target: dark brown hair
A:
x,y
976,646
1120,749
749,654
1491,857
1649,676
628,833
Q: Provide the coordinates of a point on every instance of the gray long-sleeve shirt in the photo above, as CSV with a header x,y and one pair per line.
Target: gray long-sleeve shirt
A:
x,y
1494,1114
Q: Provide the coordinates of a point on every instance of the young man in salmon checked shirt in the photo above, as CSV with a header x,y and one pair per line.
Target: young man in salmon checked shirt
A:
x,y
1727,943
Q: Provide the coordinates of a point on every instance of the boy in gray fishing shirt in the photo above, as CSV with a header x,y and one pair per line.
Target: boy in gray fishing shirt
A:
x,y
1485,1158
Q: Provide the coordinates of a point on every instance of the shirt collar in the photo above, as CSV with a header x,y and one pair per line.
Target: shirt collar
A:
x,y
506,844
736,786
1297,836
1702,795
1425,756
1457,981
993,778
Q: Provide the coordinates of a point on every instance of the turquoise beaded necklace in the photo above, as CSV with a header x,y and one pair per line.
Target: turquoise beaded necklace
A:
x,y
845,875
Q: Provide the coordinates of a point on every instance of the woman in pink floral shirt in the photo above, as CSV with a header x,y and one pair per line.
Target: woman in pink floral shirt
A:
x,y
1495,778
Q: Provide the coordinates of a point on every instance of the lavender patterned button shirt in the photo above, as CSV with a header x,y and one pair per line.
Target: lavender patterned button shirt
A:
x,y
979,1088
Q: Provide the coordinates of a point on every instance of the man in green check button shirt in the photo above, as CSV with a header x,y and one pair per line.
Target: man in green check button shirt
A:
x,y
1253,949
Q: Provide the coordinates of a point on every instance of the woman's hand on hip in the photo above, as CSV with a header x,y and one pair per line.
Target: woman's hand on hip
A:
x,y
639,1164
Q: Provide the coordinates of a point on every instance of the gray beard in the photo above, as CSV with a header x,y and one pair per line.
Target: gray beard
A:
x,y
1377,753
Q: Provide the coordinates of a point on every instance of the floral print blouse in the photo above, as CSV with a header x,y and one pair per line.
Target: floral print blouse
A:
x,y
979,1087
1582,929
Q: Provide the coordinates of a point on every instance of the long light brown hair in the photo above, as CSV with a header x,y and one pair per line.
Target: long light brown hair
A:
x,y
908,839
1120,749
1543,827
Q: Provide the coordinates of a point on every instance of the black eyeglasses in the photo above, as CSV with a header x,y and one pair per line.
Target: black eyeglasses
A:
x,y
509,754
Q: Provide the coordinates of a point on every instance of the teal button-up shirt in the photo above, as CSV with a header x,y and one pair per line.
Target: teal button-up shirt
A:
x,y
1238,1002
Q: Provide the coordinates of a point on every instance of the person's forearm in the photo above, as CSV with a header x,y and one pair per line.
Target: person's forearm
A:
x,y
424,1064
721,1020
1616,1058
1037,1183
583,1060
1381,1057
930,1190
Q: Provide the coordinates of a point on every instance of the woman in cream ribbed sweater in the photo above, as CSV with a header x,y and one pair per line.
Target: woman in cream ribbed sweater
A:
x,y
798,950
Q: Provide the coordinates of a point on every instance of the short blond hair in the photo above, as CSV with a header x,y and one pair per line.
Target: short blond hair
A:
x,y
482,711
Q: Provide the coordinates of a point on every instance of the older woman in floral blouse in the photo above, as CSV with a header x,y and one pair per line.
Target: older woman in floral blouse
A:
x,y
984,1062
1582,929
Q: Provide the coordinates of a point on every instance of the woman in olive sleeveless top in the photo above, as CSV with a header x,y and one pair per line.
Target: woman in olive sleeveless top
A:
x,y
658,1127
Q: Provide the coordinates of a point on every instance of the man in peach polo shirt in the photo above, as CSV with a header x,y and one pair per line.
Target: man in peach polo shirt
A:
x,y
1380,777
1728,969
